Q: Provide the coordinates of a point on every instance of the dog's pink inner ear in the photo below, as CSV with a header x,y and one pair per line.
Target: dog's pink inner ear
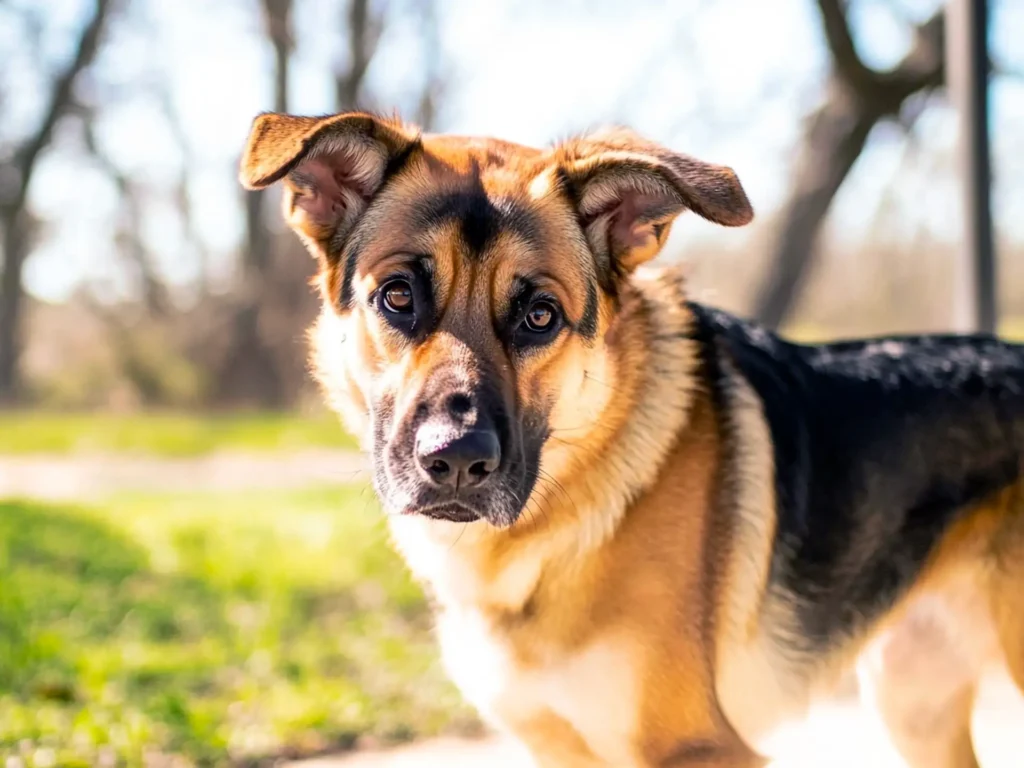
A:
x,y
324,188
627,221
331,166
330,185
629,190
631,226
318,192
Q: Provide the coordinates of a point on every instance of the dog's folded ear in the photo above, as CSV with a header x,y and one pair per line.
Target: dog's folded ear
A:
x,y
332,167
628,191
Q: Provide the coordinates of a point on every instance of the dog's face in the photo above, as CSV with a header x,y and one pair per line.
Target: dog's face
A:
x,y
470,287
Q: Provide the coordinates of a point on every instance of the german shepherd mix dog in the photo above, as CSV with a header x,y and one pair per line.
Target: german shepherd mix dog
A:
x,y
653,531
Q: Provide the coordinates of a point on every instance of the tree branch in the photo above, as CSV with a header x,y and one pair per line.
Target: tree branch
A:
x,y
924,66
60,100
835,137
845,59
433,65
182,197
364,31
129,231
278,20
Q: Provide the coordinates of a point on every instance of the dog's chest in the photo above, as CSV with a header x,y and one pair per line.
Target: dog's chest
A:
x,y
594,688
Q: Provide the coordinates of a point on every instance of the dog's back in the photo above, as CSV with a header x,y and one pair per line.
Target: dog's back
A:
x,y
879,445
897,464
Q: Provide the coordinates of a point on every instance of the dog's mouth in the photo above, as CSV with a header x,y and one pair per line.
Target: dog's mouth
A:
x,y
450,511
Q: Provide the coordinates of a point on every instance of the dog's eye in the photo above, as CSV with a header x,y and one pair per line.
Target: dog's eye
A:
x,y
541,317
539,324
396,297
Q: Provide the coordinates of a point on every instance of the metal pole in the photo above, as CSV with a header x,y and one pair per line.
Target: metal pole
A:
x,y
967,69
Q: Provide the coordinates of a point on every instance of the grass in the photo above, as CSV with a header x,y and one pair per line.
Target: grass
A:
x,y
166,434
198,629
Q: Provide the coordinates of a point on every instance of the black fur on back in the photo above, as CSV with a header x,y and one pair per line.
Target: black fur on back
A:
x,y
878,445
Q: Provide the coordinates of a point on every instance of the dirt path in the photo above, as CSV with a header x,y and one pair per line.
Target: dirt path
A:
x,y
839,736
91,476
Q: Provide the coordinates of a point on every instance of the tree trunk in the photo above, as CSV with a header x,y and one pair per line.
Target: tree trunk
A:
x,y
250,373
363,36
836,136
856,99
15,180
11,303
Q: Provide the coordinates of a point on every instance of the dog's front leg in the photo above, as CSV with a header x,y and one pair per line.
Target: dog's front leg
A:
x,y
554,743
709,756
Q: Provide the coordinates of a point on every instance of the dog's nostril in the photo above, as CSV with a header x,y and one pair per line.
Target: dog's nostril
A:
x,y
439,470
479,470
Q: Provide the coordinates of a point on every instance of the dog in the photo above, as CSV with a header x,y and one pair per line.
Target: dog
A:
x,y
653,531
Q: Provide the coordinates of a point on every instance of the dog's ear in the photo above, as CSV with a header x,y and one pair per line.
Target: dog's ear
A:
x,y
332,167
628,190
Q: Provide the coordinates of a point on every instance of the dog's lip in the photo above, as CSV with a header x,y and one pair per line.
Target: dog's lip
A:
x,y
452,511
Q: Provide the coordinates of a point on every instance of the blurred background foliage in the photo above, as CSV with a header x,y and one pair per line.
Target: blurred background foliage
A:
x,y
136,274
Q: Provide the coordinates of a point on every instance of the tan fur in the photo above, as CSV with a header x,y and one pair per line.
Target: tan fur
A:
x,y
627,617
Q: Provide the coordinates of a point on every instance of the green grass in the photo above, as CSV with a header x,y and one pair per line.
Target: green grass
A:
x,y
166,434
210,630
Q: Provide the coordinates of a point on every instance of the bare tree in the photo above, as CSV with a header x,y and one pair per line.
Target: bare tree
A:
x,y
365,27
274,293
857,98
249,372
15,180
252,368
366,22
434,78
128,235
182,198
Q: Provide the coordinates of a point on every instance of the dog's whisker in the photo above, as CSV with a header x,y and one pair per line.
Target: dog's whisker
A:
x,y
459,537
617,390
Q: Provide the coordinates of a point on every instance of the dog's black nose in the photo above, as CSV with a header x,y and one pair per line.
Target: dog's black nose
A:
x,y
464,461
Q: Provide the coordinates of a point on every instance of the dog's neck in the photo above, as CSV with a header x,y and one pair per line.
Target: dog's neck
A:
x,y
587,483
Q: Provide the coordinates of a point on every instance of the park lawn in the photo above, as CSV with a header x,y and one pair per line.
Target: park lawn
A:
x,y
209,629
167,434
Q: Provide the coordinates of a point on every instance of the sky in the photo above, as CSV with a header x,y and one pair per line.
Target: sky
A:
x,y
728,81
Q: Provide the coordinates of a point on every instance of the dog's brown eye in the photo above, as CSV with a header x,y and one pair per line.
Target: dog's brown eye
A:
x,y
397,297
541,317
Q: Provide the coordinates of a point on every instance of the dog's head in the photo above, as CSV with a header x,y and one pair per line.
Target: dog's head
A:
x,y
469,285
